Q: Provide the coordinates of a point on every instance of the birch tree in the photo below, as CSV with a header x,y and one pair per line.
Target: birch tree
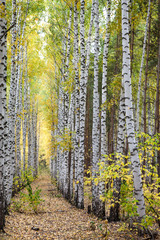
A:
x,y
141,68
18,101
25,109
103,149
77,107
10,168
22,50
3,28
126,76
66,108
96,120
80,173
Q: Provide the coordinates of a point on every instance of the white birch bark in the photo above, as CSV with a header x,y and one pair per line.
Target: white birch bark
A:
x,y
59,132
104,86
77,92
96,120
54,157
103,150
80,169
88,45
11,108
29,130
61,122
121,124
3,27
25,109
71,151
66,115
18,101
141,68
126,75
77,107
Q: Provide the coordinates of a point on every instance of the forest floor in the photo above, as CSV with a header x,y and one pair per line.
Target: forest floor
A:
x,y
58,219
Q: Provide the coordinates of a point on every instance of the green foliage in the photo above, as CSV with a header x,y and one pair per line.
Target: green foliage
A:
x,y
28,174
127,201
19,182
58,195
31,198
17,205
120,167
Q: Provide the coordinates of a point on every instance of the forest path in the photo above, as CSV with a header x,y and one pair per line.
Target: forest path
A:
x,y
57,219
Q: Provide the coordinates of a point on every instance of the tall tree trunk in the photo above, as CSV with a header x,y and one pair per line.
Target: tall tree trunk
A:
x,y
126,76
87,133
66,116
18,102
29,130
96,120
88,48
11,106
36,141
157,120
114,210
146,78
25,110
141,68
145,91
3,27
77,106
103,150
80,168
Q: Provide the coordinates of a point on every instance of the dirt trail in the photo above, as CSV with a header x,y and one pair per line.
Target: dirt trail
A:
x,y
58,220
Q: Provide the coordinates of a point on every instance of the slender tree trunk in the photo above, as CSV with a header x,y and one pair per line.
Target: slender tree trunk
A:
x,y
36,141
88,48
141,68
3,27
126,75
11,107
77,106
71,151
87,133
114,210
145,90
103,149
18,103
29,130
25,110
146,79
80,168
96,120
157,121
66,116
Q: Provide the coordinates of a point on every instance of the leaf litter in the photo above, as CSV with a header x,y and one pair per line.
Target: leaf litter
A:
x,y
57,219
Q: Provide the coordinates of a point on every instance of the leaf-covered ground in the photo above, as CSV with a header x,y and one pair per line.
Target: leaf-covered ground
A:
x,y
57,219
